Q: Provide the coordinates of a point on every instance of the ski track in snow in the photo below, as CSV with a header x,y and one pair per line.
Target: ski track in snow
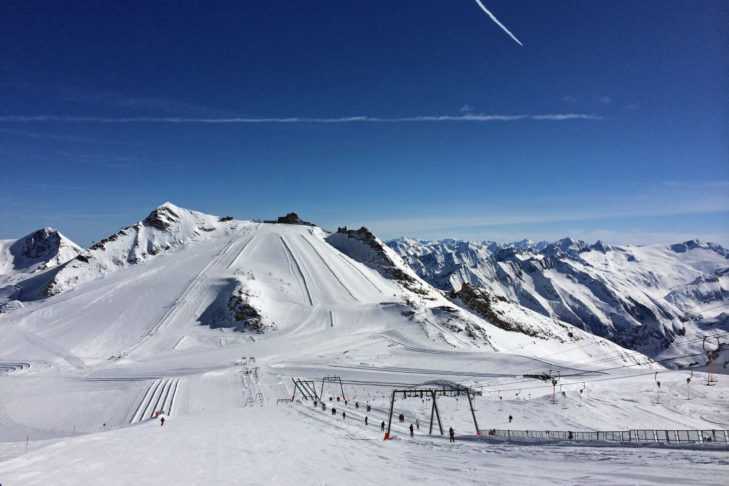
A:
x,y
182,300
8,368
245,246
336,277
364,275
294,264
160,396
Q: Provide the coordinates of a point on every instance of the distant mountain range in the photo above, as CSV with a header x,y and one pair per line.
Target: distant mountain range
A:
x,y
643,298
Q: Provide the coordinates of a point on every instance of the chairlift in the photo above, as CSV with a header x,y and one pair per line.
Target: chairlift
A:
x,y
711,356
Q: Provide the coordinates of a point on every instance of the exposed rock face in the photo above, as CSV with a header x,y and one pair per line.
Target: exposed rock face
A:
x,y
162,218
42,249
244,314
480,302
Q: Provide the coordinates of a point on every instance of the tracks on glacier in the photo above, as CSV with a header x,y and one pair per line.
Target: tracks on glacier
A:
x,y
326,264
294,266
160,397
190,290
7,368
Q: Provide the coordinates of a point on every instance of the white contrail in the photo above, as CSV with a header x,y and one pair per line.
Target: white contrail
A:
x,y
284,120
497,22
290,120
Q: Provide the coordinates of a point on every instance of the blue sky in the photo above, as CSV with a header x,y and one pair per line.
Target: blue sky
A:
x,y
417,118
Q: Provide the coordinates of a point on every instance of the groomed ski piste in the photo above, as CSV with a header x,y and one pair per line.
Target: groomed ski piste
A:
x,y
84,374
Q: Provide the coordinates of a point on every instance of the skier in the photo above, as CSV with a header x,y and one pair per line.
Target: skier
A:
x,y
452,433
411,430
417,423
334,411
161,421
382,426
510,418
344,415
365,420
368,407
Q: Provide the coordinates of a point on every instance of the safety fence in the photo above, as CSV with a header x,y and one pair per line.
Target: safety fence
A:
x,y
635,435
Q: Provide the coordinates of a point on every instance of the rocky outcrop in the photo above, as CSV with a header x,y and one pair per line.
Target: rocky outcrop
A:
x,y
291,218
363,246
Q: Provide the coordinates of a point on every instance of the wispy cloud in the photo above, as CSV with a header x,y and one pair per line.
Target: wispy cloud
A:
x,y
468,117
65,138
497,22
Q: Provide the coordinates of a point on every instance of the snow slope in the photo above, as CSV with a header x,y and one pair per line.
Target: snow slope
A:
x,y
166,316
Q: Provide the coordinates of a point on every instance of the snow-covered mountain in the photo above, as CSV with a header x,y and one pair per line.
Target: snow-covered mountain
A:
x,y
236,299
209,319
643,298
32,255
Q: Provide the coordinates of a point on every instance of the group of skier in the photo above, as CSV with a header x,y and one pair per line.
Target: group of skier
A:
x,y
401,418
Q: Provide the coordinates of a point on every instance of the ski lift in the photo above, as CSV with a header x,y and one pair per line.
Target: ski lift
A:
x,y
251,360
711,356
554,384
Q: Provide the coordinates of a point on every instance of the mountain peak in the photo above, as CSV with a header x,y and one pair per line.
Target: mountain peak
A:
x,y
44,248
163,217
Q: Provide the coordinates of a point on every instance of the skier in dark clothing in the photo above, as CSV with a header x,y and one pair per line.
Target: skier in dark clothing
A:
x,y
382,426
510,418
452,433
365,420
344,415
411,430
162,421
